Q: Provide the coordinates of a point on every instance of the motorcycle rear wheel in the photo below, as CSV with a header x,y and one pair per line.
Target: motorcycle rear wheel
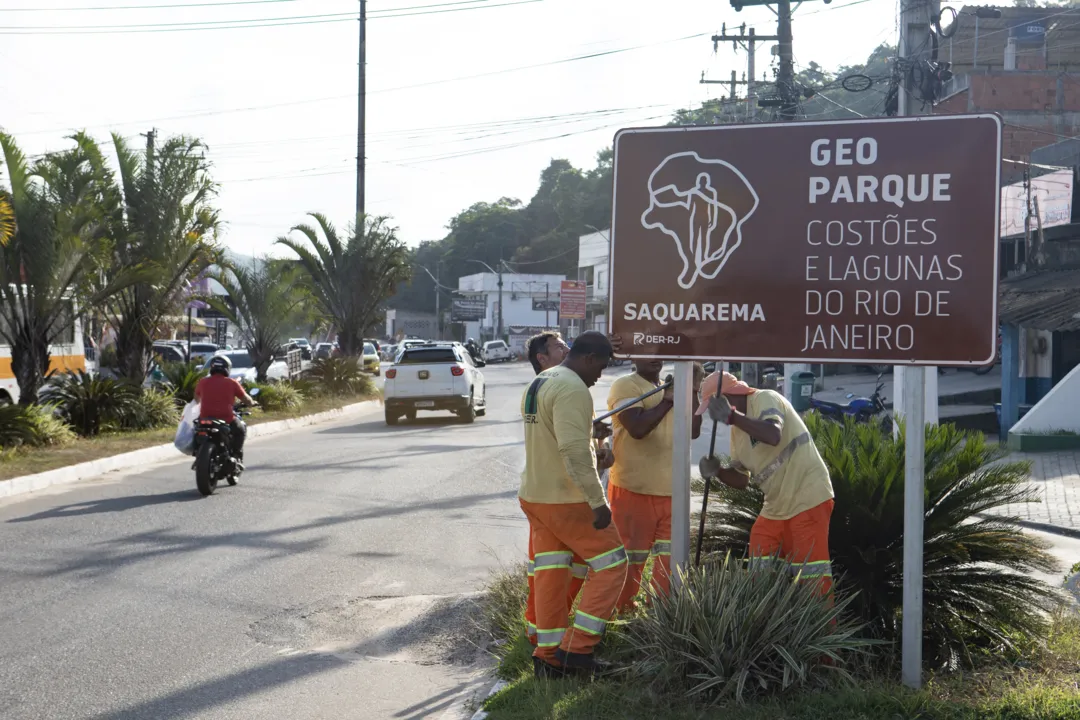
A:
x,y
204,476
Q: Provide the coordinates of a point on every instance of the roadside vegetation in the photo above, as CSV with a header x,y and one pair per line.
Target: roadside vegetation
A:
x,y
119,239
998,643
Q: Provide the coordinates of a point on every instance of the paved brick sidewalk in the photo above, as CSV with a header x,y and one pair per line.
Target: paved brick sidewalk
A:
x,y
1057,477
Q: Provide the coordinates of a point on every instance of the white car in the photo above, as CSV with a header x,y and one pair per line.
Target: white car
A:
x,y
496,351
433,377
243,367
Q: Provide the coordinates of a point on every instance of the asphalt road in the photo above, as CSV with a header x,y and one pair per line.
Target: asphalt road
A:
x,y
329,583
334,582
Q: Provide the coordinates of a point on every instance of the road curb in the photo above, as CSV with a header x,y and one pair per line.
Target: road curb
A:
x,y
1033,525
158,453
482,714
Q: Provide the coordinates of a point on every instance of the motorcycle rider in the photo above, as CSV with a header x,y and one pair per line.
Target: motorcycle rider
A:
x,y
473,348
217,393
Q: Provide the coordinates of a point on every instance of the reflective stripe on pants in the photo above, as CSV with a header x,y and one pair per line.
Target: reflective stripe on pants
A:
x,y
644,523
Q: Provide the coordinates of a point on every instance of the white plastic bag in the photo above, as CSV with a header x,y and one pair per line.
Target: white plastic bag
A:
x,y
185,431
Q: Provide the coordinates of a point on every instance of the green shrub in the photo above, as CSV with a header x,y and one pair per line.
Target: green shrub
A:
x,y
107,357
88,401
49,427
729,633
153,409
978,592
342,377
277,397
181,379
16,428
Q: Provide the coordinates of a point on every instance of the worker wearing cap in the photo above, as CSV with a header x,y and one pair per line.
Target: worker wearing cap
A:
x,y
771,446
568,513
639,488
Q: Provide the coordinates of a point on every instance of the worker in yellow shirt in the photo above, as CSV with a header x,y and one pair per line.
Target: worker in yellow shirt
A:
x,y
568,513
639,487
547,350
771,446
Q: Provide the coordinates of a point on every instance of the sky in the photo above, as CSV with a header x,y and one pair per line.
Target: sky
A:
x,y
467,101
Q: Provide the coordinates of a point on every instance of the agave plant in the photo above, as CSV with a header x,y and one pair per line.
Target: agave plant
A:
x,y
341,376
977,587
727,633
181,379
88,401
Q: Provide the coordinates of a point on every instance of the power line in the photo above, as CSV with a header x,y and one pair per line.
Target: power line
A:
x,y
292,103
222,3
243,24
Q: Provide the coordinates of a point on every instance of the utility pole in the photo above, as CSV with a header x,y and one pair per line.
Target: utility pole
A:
x,y
361,110
747,39
785,78
914,387
150,138
731,83
438,315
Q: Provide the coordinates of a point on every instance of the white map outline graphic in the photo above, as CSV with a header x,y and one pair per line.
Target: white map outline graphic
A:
x,y
701,199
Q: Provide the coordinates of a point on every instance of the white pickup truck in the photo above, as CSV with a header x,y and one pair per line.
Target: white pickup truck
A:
x,y
434,376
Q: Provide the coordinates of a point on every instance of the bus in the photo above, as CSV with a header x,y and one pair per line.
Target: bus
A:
x,y
66,354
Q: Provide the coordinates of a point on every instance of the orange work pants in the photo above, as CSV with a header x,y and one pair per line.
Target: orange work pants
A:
x,y
558,533
578,569
802,540
644,523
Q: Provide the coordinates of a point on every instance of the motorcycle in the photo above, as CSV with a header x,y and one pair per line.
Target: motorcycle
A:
x,y
214,460
863,409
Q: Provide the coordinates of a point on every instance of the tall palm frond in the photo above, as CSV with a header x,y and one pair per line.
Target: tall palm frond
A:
x,y
57,205
351,280
168,228
263,298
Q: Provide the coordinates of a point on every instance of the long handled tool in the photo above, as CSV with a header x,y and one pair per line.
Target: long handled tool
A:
x,y
668,382
705,501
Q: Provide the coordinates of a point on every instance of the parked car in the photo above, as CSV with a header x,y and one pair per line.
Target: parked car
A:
x,y
496,351
434,376
166,353
243,367
202,351
304,345
388,352
375,343
324,350
370,359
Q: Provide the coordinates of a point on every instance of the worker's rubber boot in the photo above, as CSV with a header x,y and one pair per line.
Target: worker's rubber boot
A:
x,y
584,664
546,671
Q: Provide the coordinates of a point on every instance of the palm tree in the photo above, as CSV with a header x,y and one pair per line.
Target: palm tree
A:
x,y
52,223
168,228
263,299
352,280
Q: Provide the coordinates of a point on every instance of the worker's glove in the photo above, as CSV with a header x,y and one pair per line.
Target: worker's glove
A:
x,y
601,430
709,466
604,459
720,408
601,517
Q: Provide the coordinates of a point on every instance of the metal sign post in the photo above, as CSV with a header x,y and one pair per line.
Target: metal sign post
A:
x,y
680,471
914,510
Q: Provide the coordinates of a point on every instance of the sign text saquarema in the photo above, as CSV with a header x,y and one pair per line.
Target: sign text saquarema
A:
x,y
863,241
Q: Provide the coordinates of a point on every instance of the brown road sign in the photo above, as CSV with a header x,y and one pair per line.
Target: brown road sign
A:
x,y
572,300
853,241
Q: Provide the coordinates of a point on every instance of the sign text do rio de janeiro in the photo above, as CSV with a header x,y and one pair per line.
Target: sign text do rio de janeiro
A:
x,y
862,241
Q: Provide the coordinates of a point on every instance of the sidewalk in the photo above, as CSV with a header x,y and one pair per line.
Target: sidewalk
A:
x,y
1057,477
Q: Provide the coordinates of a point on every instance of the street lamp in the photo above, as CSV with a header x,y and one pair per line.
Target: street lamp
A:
x,y
498,273
438,286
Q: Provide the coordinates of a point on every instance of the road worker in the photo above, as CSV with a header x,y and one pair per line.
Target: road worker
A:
x,y
547,350
568,513
639,488
771,446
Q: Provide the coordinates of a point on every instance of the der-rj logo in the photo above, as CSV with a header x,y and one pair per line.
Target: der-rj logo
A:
x,y
643,339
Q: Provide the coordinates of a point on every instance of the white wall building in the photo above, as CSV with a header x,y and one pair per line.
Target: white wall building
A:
x,y
530,303
594,253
